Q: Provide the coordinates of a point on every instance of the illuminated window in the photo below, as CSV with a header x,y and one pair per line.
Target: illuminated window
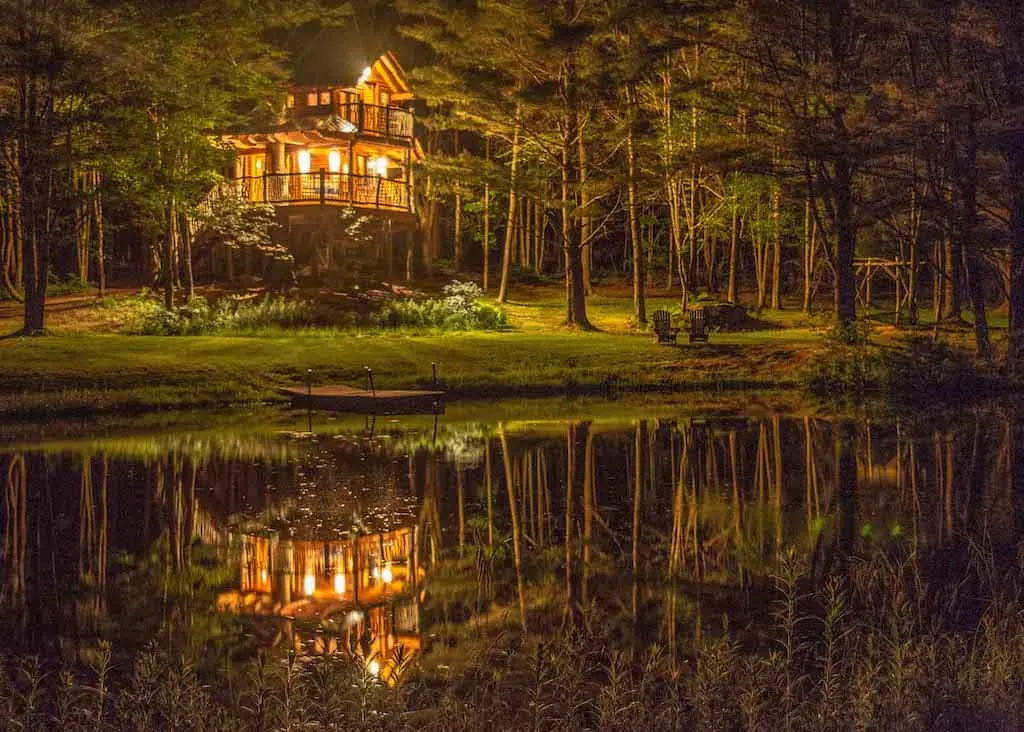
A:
x,y
334,161
325,98
304,161
380,166
311,99
291,101
385,99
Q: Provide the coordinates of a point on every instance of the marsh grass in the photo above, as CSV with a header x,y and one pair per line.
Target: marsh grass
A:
x,y
870,646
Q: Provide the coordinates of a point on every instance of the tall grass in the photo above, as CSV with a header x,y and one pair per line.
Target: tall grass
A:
x,y
871,646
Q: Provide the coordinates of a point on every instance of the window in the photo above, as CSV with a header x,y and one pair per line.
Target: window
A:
x,y
291,101
311,99
325,98
385,99
304,161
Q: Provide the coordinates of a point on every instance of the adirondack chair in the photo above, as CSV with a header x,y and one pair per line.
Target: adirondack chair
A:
x,y
663,330
698,325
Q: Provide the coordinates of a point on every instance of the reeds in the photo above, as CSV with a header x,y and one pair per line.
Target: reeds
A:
x,y
871,646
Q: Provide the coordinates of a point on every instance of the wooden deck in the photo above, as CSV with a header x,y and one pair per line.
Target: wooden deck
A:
x,y
341,398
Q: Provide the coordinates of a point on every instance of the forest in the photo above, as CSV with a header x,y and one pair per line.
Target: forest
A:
x,y
750,150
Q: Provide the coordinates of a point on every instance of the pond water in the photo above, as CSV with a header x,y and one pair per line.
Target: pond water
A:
x,y
395,538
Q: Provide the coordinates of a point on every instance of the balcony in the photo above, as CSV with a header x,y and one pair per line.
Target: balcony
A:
x,y
326,189
393,122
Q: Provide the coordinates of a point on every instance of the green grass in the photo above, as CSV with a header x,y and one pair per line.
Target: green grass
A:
x,y
86,366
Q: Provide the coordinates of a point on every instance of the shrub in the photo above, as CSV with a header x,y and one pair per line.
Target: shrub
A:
x,y
920,367
145,315
459,309
73,285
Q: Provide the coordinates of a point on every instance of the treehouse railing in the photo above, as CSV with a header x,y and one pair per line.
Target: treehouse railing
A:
x,y
378,120
358,191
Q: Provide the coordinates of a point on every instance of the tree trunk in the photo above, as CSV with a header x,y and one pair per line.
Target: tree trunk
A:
x,y
513,194
846,237
639,274
968,185
168,264
585,221
734,240
97,213
1015,350
485,244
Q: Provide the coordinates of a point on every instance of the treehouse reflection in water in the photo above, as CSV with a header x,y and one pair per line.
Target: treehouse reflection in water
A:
x,y
663,525
358,595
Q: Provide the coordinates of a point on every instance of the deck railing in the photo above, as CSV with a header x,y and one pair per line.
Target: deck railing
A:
x,y
358,191
375,119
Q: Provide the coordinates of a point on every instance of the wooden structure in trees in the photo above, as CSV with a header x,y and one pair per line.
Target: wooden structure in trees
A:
x,y
358,592
341,146
335,146
866,269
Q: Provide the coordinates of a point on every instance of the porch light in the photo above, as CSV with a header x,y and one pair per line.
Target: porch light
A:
x,y
365,76
304,161
259,165
334,161
339,583
309,584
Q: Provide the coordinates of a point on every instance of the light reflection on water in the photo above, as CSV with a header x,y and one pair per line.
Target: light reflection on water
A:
x,y
365,540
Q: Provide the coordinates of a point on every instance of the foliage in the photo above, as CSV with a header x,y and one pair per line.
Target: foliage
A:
x,y
146,315
918,367
72,285
869,646
459,309
238,223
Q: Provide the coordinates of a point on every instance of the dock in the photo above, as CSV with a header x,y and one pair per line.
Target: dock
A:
x,y
341,398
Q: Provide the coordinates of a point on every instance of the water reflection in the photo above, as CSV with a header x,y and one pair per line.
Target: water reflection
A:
x,y
379,544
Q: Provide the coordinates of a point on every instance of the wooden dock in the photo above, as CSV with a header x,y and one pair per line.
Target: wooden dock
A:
x,y
341,398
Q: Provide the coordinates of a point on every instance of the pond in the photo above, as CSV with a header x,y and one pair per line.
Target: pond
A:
x,y
413,544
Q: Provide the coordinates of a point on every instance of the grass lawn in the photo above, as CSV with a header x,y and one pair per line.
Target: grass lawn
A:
x,y
82,367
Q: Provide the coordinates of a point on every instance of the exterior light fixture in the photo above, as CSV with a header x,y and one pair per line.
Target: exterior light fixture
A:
x,y
304,161
309,584
385,574
339,583
365,76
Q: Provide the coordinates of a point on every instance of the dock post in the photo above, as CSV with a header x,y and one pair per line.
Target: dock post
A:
x,y
433,366
309,383
369,378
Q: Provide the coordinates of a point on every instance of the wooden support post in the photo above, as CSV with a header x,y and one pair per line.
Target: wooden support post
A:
x,y
323,187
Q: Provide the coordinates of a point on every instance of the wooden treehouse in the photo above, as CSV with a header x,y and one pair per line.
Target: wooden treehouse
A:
x,y
335,147
333,595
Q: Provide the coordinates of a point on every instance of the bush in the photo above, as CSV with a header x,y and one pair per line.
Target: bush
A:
x,y
73,285
146,315
920,367
459,309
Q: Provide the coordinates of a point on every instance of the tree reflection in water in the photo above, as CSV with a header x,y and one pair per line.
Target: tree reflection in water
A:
x,y
407,545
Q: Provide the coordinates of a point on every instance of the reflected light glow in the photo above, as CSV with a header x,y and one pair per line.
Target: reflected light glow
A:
x,y
339,583
309,584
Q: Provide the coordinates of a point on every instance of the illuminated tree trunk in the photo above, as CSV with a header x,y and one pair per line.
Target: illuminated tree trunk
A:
x,y
639,275
513,195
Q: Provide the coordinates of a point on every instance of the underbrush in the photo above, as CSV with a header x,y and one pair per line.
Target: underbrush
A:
x,y
459,309
869,645
919,366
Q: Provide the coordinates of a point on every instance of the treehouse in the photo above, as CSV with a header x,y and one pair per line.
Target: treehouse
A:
x,y
358,593
335,146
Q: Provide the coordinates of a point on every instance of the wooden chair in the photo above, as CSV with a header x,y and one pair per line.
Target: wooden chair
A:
x,y
698,325
663,330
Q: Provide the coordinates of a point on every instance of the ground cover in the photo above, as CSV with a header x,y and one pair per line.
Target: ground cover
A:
x,y
86,366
